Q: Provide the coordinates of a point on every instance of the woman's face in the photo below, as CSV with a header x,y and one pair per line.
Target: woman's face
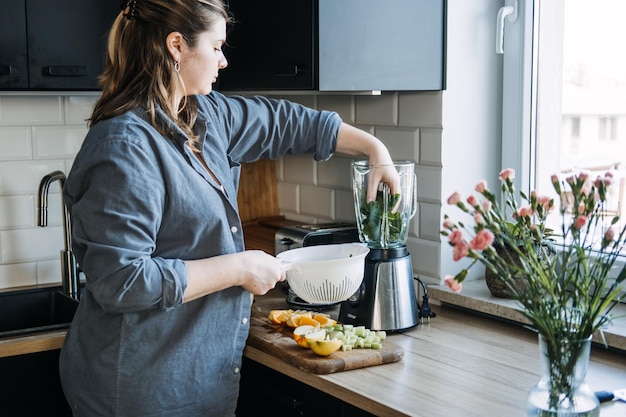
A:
x,y
199,66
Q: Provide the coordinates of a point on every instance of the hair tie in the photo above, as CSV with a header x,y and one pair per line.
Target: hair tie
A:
x,y
128,9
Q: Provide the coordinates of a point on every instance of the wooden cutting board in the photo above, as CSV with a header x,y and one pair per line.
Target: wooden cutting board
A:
x,y
277,340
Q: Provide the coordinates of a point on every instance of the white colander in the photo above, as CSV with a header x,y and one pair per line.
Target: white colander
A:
x,y
325,274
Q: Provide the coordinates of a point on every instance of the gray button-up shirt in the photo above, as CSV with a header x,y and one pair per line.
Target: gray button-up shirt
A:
x,y
140,205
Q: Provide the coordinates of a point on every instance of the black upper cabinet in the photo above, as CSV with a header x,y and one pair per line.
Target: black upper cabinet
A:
x,y
271,45
59,45
336,45
13,55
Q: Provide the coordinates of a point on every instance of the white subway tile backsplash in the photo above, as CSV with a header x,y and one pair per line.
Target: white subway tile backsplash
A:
x,y
377,110
78,108
17,275
300,169
49,272
24,177
57,141
317,201
26,245
430,147
31,110
344,206
17,211
428,184
335,172
343,105
40,134
288,196
426,259
427,228
15,143
403,143
422,109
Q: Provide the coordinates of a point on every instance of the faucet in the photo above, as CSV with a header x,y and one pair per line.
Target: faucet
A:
x,y
69,267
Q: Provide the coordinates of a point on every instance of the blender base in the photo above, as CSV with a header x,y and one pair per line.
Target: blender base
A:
x,y
387,299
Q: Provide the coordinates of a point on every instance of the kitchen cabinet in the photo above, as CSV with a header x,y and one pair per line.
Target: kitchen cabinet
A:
x,y
56,45
30,385
330,45
276,394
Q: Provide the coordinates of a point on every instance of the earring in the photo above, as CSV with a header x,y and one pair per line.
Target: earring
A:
x,y
177,66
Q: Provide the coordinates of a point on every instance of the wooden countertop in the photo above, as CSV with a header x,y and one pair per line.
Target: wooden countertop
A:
x,y
461,364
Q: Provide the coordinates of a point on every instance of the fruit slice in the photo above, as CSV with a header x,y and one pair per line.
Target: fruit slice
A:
x,y
303,334
324,320
279,316
324,347
308,320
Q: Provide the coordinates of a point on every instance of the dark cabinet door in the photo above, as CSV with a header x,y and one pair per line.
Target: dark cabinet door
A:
x,y
272,45
66,42
13,56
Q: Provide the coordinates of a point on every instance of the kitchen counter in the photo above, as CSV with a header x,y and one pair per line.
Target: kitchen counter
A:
x,y
460,364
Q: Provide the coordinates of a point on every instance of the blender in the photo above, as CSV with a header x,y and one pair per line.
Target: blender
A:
x,y
386,299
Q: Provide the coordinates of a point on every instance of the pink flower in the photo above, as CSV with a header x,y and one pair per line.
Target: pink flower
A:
x,y
448,224
482,240
472,201
609,235
460,251
454,198
545,201
579,222
456,237
481,186
507,174
478,218
525,211
453,283
486,204
581,208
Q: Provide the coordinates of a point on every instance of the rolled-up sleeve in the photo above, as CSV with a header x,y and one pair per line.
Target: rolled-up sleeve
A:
x,y
116,201
261,127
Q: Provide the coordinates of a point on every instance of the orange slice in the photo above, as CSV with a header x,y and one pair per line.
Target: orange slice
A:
x,y
324,320
308,320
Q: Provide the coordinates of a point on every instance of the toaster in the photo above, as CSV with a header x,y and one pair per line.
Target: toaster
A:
x,y
299,235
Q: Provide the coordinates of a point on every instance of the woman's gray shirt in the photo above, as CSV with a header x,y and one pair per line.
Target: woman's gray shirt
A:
x,y
141,204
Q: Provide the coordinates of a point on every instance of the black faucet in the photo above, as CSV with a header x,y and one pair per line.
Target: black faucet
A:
x,y
69,267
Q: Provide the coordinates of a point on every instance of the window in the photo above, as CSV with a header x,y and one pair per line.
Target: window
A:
x,y
565,67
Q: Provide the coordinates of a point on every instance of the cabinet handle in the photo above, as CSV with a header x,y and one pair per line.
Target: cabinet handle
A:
x,y
288,71
5,70
66,70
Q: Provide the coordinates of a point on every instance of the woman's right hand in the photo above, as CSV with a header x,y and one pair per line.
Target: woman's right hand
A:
x,y
261,272
254,270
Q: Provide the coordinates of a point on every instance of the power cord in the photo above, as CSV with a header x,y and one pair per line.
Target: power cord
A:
x,y
425,311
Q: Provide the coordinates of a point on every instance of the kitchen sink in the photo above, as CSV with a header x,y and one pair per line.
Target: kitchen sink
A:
x,y
36,310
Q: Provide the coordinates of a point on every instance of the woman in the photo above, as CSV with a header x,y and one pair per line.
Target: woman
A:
x,y
164,317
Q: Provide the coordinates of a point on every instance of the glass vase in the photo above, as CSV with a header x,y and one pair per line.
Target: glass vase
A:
x,y
562,391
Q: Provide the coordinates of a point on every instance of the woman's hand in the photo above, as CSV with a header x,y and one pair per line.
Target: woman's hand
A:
x,y
262,272
254,270
353,141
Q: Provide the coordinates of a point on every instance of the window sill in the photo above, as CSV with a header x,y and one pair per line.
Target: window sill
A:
x,y
476,297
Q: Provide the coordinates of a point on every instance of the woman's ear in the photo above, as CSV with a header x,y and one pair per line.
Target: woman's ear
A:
x,y
175,43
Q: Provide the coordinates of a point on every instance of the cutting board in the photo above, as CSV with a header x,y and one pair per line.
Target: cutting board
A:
x,y
277,340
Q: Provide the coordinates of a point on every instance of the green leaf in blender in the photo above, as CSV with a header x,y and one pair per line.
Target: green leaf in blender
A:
x,y
373,213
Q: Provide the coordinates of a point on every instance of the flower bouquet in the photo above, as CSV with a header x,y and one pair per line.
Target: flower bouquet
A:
x,y
570,285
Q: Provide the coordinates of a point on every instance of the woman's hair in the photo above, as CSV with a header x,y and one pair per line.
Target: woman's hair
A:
x,y
139,70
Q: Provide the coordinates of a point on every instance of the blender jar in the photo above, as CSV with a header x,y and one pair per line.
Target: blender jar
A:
x,y
384,222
